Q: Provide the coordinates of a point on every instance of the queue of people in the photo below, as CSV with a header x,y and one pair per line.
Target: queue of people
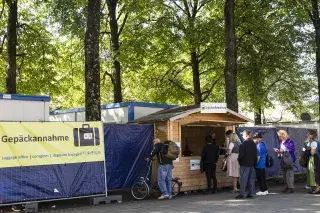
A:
x,y
247,162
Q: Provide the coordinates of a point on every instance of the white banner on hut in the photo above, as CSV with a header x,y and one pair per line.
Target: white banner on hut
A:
x,y
213,107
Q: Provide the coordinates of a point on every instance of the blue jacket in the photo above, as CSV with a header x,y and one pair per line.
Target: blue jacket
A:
x,y
262,153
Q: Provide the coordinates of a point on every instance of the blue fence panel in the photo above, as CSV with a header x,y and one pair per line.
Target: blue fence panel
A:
x,y
35,183
126,147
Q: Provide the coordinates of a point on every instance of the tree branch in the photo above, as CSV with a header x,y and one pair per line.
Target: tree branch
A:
x,y
2,43
21,54
186,6
208,92
201,55
120,13
195,9
204,2
123,23
281,116
171,68
276,81
105,74
177,5
105,33
181,87
311,17
2,10
210,69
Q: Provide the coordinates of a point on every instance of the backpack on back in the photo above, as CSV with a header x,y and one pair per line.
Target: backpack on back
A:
x,y
170,150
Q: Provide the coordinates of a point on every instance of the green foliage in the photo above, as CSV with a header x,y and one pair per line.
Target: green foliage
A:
x,y
275,51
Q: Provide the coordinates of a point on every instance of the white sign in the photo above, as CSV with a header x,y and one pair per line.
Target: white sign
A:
x,y
6,96
194,164
213,107
179,145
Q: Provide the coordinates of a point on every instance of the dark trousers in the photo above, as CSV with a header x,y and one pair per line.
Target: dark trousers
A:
x,y
210,170
261,176
247,180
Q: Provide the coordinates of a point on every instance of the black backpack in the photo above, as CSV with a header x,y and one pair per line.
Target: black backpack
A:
x,y
269,159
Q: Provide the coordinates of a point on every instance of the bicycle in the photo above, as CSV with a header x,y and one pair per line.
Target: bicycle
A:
x,y
141,188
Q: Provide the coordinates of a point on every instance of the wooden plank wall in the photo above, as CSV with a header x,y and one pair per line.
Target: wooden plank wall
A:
x,y
195,180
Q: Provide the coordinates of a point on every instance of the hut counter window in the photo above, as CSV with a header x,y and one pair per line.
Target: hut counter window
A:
x,y
193,138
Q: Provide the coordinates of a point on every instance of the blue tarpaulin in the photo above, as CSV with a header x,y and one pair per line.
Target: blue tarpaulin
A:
x,y
126,148
32,183
298,135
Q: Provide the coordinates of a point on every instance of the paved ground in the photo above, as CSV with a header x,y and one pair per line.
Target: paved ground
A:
x,y
222,202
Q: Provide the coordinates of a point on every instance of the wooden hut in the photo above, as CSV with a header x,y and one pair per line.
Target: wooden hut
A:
x,y
188,126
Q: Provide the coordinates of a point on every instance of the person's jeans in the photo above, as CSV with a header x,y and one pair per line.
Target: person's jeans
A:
x,y
211,175
261,176
247,179
165,179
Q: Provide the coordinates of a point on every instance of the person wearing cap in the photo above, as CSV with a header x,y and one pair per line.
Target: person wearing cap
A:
x,y
261,164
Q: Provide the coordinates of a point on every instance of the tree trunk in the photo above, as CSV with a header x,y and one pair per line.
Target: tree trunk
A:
x,y
114,29
316,23
258,116
318,65
11,80
230,71
92,61
196,77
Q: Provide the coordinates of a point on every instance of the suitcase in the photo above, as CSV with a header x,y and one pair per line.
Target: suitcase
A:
x,y
86,136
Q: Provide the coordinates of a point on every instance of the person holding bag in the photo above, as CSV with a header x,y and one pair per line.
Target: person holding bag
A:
x,y
287,160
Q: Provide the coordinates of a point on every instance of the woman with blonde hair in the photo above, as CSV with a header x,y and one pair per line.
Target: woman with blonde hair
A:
x,y
232,162
287,146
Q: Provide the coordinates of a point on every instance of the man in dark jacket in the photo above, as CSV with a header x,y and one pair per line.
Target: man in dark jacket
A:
x,y
164,171
247,159
209,158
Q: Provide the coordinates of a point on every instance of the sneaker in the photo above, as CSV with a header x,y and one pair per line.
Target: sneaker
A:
x,y
15,209
285,190
250,197
240,197
170,197
162,197
265,193
259,193
307,187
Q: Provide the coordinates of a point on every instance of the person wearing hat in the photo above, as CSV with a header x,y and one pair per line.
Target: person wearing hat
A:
x,y
261,164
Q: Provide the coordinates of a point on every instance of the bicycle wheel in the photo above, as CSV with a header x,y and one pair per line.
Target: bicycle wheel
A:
x,y
140,190
175,188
